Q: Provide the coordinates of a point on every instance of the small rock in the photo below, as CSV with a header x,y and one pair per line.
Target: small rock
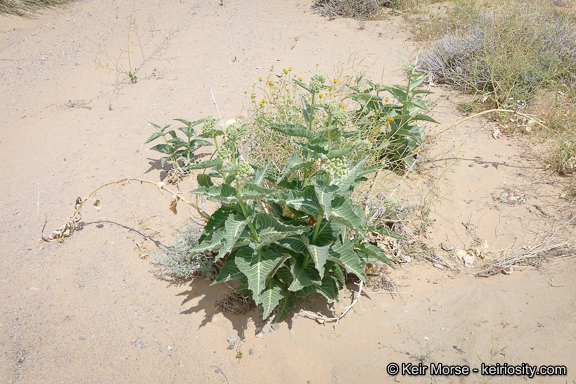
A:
x,y
266,329
251,351
436,281
275,327
82,338
471,165
259,334
41,247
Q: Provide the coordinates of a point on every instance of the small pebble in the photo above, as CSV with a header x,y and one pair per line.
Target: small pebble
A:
x,y
259,334
471,165
436,281
251,351
82,338
275,327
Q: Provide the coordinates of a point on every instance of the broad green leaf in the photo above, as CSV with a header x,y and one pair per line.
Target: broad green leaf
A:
x,y
306,110
305,201
343,212
270,298
344,184
318,255
254,192
285,306
177,143
374,251
340,152
303,277
338,273
423,118
343,254
154,136
204,180
294,163
197,143
215,222
270,229
257,265
328,288
206,164
223,192
163,148
229,272
259,175
234,227
293,243
329,232
295,130
212,244
325,195
284,275
189,123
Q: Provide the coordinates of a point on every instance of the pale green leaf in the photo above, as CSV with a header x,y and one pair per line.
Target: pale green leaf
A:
x,y
257,265
343,254
303,277
270,298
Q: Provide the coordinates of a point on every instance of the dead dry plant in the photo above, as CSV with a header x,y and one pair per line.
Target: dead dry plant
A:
x,y
28,8
141,48
68,228
543,245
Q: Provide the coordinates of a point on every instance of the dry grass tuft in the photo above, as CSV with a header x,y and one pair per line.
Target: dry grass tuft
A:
x,y
506,54
356,9
27,8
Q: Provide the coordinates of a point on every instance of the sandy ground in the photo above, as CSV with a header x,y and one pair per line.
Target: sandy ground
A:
x,y
91,310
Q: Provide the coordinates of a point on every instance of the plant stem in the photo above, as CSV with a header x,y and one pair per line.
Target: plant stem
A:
x,y
317,228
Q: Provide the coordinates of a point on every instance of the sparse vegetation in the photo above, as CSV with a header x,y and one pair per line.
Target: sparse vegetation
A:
x,y
357,9
27,8
512,55
178,260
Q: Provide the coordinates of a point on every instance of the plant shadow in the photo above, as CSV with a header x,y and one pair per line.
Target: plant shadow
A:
x,y
206,298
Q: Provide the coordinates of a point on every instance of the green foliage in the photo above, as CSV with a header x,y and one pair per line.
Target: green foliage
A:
x,y
175,148
287,226
401,135
291,232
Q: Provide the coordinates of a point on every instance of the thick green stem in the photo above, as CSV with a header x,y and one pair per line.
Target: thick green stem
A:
x,y
245,212
311,112
317,228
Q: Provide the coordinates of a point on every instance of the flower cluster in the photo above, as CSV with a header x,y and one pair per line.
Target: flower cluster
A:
x,y
235,131
341,117
317,83
224,153
332,106
337,167
209,127
245,171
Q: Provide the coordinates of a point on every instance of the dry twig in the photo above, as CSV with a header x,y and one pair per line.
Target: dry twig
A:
x,y
68,228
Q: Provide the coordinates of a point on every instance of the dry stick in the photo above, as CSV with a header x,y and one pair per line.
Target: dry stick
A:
x,y
323,319
79,206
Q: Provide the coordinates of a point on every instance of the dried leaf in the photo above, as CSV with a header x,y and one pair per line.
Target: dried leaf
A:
x,y
97,205
173,205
